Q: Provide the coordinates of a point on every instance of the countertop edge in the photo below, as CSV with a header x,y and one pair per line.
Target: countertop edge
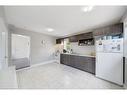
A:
x,y
80,55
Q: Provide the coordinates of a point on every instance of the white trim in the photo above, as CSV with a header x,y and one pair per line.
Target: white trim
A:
x,y
38,64
43,63
57,61
4,40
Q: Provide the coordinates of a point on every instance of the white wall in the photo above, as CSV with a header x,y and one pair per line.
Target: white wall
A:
x,y
2,14
38,52
82,49
0,49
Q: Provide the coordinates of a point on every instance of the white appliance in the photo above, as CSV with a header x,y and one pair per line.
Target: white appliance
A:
x,y
109,60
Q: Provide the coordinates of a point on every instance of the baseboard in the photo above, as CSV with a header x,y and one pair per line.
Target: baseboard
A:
x,y
57,61
43,63
38,64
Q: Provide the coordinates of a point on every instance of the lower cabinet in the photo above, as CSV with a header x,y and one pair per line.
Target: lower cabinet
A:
x,y
80,62
64,59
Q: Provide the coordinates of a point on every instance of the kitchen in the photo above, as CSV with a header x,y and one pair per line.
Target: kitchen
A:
x,y
74,49
101,48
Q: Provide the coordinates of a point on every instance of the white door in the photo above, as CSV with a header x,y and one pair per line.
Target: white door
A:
x,y
3,45
20,46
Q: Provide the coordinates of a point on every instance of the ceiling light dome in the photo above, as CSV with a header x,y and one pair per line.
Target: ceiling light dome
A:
x,y
50,29
87,8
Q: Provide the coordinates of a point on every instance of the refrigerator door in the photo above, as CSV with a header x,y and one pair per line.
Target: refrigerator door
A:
x,y
99,46
108,46
109,66
117,45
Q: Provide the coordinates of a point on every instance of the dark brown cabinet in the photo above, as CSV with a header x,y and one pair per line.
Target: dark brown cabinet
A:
x,y
80,62
88,35
59,41
76,38
73,60
85,63
65,59
116,29
83,39
86,42
73,38
109,30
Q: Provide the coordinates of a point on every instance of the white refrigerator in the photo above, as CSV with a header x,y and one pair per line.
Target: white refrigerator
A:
x,y
109,60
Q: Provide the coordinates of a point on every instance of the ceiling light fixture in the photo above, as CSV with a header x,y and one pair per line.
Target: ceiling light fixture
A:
x,y
87,8
50,29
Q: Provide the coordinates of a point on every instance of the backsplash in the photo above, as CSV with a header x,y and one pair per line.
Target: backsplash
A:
x,y
82,49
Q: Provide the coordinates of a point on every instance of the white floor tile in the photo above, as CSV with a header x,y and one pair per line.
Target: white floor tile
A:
x,y
8,78
58,76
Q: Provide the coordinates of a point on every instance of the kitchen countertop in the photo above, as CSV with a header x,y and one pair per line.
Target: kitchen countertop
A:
x,y
79,54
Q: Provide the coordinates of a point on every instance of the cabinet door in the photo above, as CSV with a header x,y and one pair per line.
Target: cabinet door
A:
x,y
73,60
62,59
81,63
117,29
88,35
85,63
85,36
65,59
98,32
73,39
91,65
109,30
59,41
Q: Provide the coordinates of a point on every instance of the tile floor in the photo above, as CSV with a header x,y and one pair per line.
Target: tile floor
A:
x,y
58,76
8,78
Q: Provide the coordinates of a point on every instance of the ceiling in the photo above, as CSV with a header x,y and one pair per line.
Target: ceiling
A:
x,y
65,20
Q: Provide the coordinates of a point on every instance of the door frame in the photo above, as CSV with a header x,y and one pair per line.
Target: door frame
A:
x,y
4,40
